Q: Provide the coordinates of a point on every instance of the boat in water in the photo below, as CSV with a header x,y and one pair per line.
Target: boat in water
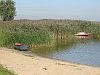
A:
x,y
82,34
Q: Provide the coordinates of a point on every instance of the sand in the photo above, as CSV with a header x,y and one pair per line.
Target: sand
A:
x,y
25,65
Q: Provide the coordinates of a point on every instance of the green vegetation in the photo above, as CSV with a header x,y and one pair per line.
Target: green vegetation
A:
x,y
4,71
7,10
35,33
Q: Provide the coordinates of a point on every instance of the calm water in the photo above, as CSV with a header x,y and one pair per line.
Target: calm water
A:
x,y
86,51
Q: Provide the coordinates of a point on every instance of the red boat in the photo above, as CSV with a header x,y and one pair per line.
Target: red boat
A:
x,y
21,47
18,44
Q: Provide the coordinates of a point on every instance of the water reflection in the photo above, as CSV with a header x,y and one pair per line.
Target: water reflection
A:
x,y
59,45
85,50
83,39
83,53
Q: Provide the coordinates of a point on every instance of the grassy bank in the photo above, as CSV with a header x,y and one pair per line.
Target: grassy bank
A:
x,y
4,71
43,32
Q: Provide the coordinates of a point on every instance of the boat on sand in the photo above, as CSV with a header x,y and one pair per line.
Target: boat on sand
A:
x,y
21,47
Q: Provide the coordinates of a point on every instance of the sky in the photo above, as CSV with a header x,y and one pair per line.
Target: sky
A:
x,y
58,9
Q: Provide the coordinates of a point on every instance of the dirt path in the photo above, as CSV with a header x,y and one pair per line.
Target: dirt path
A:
x,y
25,65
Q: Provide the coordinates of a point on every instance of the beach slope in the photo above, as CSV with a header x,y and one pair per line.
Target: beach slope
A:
x,y
25,65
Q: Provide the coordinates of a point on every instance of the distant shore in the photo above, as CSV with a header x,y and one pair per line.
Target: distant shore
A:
x,y
24,65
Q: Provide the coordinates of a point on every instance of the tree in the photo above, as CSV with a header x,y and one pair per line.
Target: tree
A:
x,y
7,10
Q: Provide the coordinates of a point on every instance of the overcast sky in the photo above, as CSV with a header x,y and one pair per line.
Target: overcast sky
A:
x,y
58,9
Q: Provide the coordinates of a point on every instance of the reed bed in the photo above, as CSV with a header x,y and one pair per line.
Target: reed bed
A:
x,y
43,32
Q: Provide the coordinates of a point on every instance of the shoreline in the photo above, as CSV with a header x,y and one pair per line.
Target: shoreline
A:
x,y
30,54
22,64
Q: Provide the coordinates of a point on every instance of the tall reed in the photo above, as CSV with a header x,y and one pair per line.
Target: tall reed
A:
x,y
42,32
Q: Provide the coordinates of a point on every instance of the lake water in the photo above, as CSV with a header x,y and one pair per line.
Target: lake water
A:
x,y
85,51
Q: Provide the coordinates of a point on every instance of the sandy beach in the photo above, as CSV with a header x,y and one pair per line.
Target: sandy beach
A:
x,y
25,65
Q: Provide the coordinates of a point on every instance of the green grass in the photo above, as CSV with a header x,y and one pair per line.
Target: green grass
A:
x,y
4,71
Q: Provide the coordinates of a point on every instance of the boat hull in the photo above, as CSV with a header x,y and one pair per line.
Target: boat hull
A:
x,y
21,48
83,35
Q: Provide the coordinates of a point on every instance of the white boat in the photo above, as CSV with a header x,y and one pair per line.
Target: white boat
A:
x,y
82,34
